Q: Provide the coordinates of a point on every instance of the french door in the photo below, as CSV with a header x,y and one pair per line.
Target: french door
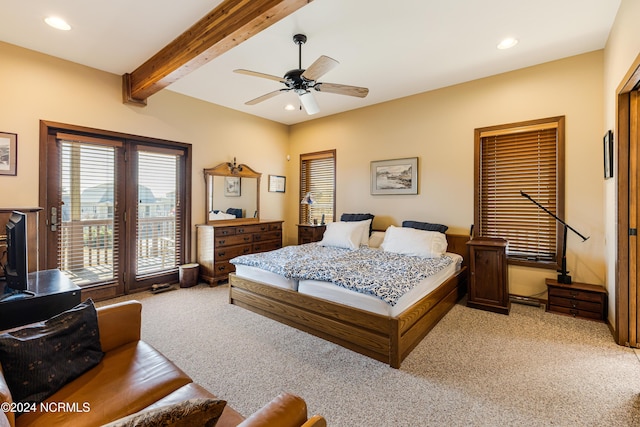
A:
x,y
116,216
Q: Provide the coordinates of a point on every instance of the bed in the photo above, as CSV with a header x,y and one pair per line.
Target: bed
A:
x,y
312,306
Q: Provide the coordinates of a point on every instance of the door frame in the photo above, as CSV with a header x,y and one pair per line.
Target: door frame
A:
x,y
48,127
626,298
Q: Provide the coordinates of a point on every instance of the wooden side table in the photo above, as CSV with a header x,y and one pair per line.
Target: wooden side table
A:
x,y
308,233
489,284
577,299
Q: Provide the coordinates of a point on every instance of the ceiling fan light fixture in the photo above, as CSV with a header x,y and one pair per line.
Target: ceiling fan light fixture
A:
x,y
289,107
309,103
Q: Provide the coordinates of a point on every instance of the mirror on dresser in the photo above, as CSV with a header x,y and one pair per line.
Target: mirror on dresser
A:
x,y
233,225
232,193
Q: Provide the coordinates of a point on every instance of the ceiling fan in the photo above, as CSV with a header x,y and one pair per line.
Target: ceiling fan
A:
x,y
301,81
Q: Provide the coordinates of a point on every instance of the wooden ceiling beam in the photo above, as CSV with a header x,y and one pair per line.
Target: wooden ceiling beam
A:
x,y
225,27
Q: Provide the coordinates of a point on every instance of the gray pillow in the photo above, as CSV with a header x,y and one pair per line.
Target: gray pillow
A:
x,y
38,359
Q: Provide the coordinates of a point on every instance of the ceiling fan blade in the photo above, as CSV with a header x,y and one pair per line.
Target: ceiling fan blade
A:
x,y
309,103
319,68
360,92
257,74
265,96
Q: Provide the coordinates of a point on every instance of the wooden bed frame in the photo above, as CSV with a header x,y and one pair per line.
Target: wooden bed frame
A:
x,y
384,338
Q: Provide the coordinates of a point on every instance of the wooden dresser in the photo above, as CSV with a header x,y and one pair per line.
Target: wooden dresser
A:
x,y
577,299
216,244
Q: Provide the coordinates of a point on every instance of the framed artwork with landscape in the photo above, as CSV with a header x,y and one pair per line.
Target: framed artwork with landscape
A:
x,y
8,153
397,176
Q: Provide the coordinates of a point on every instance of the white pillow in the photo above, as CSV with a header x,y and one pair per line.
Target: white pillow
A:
x,y
365,231
343,234
410,241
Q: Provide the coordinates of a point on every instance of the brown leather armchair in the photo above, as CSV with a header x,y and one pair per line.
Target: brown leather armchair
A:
x,y
134,377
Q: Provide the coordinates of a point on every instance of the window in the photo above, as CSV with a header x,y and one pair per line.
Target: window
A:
x,y
318,177
518,158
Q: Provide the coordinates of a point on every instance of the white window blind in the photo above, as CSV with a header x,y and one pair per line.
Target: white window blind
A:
x,y
88,238
158,214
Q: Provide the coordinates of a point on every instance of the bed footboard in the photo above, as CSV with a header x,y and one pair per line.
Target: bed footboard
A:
x,y
387,339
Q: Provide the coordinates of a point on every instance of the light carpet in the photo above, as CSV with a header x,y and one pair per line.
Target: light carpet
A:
x,y
475,368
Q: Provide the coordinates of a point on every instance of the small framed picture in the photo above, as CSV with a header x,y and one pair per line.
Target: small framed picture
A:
x,y
232,186
8,153
277,183
608,154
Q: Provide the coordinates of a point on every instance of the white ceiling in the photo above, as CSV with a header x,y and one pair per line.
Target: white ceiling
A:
x,y
394,48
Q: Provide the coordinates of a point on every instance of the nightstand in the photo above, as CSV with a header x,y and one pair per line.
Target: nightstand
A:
x,y
308,233
577,299
489,284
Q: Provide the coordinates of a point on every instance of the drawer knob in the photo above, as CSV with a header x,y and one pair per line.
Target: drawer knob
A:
x,y
221,253
221,242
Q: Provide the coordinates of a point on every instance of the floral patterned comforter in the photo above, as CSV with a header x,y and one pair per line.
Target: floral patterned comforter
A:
x,y
385,275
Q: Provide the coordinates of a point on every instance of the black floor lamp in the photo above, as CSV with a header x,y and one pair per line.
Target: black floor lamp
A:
x,y
563,277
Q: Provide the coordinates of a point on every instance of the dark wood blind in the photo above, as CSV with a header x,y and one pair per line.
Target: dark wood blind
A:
x,y
512,160
318,176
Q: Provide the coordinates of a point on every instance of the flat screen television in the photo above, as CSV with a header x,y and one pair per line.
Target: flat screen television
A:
x,y
16,270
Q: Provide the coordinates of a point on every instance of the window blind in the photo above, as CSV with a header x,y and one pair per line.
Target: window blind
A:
x,y
158,212
88,238
511,161
318,176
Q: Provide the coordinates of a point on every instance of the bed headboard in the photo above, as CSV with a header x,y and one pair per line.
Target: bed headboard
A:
x,y
457,243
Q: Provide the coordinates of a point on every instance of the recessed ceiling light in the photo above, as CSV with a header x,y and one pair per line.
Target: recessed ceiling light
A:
x,y
57,23
289,107
507,43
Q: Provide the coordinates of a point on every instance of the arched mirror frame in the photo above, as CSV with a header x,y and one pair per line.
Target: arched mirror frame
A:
x,y
233,170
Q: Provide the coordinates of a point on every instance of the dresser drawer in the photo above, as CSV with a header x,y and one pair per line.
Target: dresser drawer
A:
x,y
275,226
269,235
224,231
306,232
576,312
575,294
576,304
238,239
224,267
227,252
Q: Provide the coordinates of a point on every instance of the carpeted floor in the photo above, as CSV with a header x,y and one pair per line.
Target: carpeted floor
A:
x,y
475,368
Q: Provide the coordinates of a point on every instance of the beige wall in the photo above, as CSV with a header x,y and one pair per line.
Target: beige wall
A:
x,y
622,49
437,127
36,87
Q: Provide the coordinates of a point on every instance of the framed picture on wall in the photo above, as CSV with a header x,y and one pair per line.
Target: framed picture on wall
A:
x,y
608,154
232,186
397,176
277,183
8,153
